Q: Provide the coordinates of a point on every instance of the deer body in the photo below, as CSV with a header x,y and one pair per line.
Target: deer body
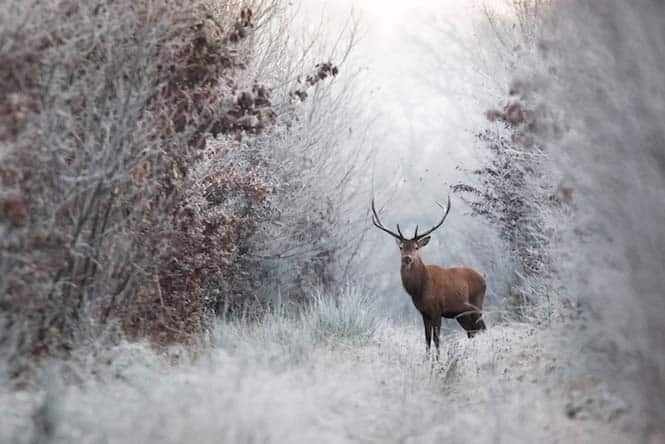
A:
x,y
438,292
444,292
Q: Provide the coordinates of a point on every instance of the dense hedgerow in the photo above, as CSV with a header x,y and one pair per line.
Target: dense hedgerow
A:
x,y
136,169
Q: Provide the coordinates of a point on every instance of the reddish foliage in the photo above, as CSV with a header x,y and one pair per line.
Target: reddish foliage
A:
x,y
13,113
321,72
14,210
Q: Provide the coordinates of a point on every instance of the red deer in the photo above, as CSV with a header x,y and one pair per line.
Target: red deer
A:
x,y
436,291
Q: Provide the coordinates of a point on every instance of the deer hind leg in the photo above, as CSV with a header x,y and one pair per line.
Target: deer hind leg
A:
x,y
472,323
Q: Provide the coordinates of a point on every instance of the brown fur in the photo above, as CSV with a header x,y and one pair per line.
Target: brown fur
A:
x,y
441,292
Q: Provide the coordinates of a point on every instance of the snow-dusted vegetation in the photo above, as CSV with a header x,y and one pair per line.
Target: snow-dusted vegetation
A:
x,y
186,249
313,378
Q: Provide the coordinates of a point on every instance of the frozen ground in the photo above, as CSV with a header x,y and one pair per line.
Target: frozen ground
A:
x,y
336,374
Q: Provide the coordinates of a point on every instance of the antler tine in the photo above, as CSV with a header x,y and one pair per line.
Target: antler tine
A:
x,y
415,233
399,231
378,224
420,236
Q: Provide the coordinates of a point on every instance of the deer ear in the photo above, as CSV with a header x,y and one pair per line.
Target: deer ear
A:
x,y
399,242
424,241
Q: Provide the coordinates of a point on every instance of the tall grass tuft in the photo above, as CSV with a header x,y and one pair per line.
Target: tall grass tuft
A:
x,y
349,315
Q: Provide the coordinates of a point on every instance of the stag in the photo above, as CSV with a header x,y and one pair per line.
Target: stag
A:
x,y
452,293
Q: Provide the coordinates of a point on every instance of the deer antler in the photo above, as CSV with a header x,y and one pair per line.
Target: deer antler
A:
x,y
420,236
377,223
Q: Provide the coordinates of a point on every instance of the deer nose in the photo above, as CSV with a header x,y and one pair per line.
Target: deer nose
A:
x,y
406,260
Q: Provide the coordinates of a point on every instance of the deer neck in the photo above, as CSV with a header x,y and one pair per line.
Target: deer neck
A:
x,y
414,278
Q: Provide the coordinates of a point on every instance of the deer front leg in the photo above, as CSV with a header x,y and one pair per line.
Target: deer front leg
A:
x,y
428,332
436,329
